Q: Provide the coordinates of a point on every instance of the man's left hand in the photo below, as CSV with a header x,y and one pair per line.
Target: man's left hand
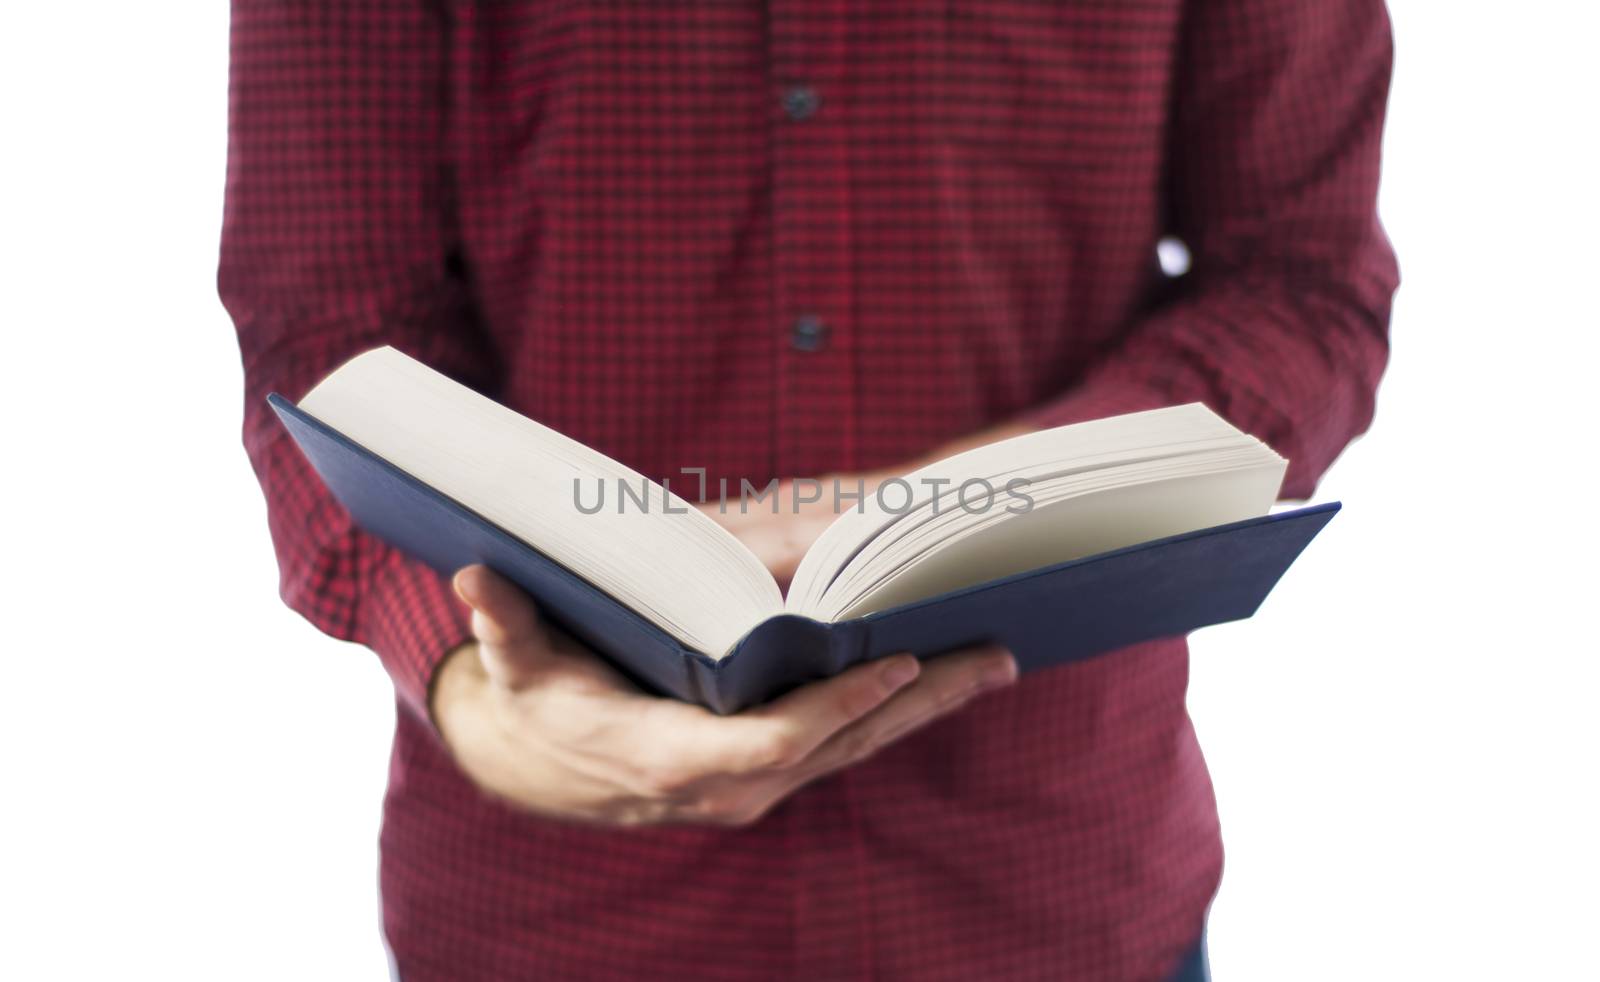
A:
x,y
780,532
780,536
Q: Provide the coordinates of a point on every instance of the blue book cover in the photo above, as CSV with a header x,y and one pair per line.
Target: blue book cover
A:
x,y
1050,616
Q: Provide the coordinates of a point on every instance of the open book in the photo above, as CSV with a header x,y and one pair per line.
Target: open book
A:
x,y
1032,541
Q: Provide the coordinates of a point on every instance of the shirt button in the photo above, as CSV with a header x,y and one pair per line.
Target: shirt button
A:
x,y
801,102
808,333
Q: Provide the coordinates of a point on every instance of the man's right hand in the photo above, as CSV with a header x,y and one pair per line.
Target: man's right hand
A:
x,y
535,718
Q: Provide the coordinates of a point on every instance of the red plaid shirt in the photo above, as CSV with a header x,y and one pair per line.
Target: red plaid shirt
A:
x,y
787,238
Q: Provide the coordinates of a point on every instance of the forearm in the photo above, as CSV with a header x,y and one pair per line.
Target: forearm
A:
x,y
1287,361
336,240
1281,326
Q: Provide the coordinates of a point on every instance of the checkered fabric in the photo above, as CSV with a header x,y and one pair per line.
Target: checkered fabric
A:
x,y
788,238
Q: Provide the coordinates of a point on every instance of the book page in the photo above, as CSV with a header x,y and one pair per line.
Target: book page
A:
x,y
649,549
1070,527
1110,451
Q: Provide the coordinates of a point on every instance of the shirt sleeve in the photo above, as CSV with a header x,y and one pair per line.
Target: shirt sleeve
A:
x,y
1281,324
336,239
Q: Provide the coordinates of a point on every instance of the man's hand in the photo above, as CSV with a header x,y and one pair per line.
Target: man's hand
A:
x,y
780,538
780,534
537,719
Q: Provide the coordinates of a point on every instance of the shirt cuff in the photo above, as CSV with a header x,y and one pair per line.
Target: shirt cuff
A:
x,y
412,618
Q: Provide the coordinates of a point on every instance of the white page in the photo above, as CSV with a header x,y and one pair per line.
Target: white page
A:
x,y
681,569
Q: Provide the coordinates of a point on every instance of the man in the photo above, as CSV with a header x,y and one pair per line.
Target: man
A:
x,y
795,239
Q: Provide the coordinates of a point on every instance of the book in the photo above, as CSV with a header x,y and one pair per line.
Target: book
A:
x,y
1061,544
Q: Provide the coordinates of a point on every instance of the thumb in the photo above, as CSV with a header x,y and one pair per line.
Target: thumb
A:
x,y
505,621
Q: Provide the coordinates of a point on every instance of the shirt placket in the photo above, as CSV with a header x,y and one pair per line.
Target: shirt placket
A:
x,y
816,402
813,261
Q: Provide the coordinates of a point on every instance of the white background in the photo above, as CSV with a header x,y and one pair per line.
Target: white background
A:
x,y
1404,742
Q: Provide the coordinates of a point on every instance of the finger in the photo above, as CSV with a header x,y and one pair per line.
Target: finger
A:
x,y
513,645
783,566
776,542
947,683
501,612
783,733
781,548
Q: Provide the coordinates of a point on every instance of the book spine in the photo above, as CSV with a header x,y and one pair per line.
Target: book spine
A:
x,y
781,653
